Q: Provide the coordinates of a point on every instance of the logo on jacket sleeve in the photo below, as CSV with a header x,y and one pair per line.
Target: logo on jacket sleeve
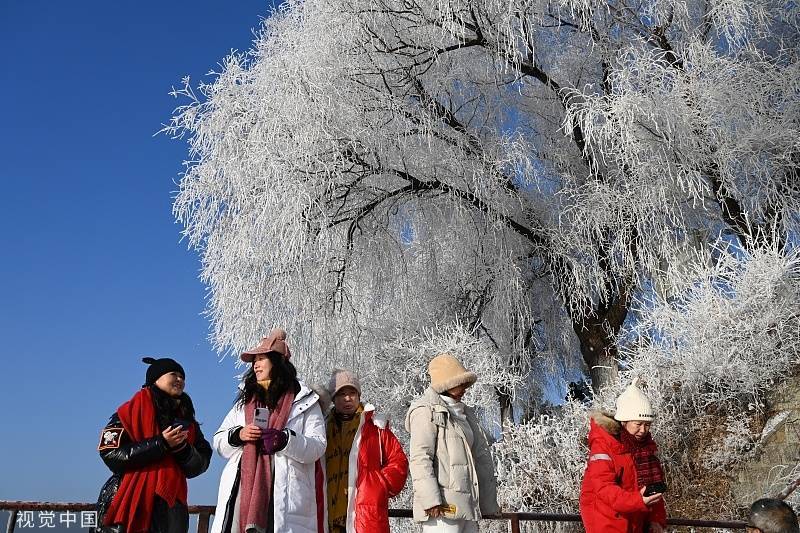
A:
x,y
110,438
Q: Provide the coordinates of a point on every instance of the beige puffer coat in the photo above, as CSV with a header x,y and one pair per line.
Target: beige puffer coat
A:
x,y
444,469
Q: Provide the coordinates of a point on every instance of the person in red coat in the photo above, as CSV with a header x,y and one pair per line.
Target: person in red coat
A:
x,y
623,461
364,462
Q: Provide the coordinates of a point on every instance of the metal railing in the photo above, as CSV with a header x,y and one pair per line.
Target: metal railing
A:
x,y
516,518
204,513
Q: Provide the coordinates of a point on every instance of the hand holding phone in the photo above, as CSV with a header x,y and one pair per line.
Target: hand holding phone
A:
x,y
174,436
250,433
184,425
655,488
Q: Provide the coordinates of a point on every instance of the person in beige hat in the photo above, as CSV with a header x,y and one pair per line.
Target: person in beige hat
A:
x,y
365,464
451,466
623,481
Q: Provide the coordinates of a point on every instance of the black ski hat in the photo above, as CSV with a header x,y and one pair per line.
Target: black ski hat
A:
x,y
159,367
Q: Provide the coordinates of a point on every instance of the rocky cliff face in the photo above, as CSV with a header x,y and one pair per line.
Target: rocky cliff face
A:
x,y
775,459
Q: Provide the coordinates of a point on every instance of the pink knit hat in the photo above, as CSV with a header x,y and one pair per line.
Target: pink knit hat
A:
x,y
274,342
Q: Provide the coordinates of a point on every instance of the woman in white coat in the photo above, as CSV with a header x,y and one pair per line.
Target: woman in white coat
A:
x,y
273,481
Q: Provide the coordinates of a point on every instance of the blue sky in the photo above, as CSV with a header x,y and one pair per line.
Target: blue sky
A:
x,y
92,272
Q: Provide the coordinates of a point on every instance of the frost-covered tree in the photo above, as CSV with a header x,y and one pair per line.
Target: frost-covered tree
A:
x,y
372,168
710,355
513,181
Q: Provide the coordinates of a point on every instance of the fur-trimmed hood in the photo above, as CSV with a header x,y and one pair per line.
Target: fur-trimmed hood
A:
x,y
606,421
604,432
325,400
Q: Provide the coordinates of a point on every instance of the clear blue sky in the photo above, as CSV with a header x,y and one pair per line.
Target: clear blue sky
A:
x,y
92,272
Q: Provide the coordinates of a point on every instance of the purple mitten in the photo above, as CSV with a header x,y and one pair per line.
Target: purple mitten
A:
x,y
273,440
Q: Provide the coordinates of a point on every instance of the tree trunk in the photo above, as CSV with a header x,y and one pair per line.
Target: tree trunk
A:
x,y
600,355
596,332
506,407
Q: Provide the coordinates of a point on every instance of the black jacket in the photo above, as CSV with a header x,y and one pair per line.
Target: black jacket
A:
x,y
121,455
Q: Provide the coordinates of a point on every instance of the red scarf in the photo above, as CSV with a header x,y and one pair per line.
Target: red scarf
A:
x,y
648,467
132,505
256,469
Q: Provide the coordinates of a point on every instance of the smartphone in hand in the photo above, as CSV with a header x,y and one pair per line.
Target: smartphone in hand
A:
x,y
261,417
181,423
655,488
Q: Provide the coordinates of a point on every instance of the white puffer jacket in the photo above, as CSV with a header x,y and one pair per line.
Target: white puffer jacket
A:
x,y
445,469
294,491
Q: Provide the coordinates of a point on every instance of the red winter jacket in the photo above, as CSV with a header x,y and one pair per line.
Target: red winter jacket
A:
x,y
378,468
610,499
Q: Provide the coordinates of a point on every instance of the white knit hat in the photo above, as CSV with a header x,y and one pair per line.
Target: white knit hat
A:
x,y
632,404
447,372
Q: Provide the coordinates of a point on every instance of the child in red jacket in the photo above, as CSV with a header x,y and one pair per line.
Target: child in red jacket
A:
x,y
622,463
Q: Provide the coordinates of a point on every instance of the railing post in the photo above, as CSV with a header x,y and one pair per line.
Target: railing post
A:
x,y
12,521
514,523
202,522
